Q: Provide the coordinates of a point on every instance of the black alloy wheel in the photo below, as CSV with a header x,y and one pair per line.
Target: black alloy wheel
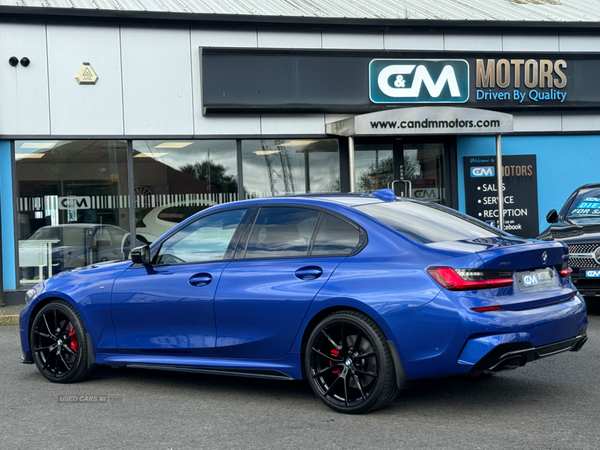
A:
x,y
58,343
349,365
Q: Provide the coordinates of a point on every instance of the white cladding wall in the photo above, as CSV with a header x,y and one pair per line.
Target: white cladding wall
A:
x,y
157,81
149,78
89,109
24,103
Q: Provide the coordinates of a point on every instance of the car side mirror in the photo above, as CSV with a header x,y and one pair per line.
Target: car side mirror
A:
x,y
552,216
141,255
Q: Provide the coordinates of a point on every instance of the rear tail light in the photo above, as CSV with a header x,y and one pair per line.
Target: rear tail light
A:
x,y
564,270
470,279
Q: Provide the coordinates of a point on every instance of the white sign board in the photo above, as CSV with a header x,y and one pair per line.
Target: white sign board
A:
x,y
424,121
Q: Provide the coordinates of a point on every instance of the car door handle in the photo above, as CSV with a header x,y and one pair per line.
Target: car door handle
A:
x,y
309,273
200,279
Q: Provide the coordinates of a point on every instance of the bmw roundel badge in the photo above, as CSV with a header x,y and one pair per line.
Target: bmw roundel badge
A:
x,y
544,257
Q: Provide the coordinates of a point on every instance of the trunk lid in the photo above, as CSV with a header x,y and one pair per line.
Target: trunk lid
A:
x,y
535,266
523,254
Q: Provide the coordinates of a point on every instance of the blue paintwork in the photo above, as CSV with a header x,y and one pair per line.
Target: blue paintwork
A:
x,y
254,314
156,309
88,289
476,348
260,305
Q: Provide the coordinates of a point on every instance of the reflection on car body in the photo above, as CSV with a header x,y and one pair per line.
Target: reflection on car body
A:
x,y
358,294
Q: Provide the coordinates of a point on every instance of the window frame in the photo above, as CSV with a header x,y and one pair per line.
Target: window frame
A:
x,y
240,253
231,247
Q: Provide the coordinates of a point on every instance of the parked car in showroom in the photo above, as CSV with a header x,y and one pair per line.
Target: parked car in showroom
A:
x,y
54,248
578,225
158,221
357,294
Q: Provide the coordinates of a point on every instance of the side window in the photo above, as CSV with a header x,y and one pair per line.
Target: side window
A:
x,y
282,233
335,237
206,239
116,234
102,238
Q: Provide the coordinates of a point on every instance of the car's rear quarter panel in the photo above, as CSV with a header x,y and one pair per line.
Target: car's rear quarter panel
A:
x,y
385,280
429,325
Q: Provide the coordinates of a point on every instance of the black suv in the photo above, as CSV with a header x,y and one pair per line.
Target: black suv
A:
x,y
578,225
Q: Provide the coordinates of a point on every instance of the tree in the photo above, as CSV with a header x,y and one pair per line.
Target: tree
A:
x,y
379,175
214,174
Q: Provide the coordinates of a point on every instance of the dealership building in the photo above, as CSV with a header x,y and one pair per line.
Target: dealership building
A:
x,y
121,115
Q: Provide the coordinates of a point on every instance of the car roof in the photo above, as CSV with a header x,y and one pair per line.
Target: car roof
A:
x,y
340,199
78,225
588,186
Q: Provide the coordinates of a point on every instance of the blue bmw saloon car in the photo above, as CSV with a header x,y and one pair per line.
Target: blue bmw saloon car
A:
x,y
357,294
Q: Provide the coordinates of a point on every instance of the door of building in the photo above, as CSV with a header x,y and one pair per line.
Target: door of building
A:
x,y
418,168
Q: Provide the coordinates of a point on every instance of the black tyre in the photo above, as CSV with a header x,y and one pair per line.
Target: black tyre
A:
x,y
58,343
348,363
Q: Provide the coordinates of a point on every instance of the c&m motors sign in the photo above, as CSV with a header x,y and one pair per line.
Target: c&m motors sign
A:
x,y
419,81
245,80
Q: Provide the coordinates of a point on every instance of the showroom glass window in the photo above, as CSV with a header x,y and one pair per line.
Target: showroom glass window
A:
x,y
279,166
175,179
373,167
72,205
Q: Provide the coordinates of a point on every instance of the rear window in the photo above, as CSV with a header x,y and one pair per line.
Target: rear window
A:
x,y
282,233
335,237
585,207
428,223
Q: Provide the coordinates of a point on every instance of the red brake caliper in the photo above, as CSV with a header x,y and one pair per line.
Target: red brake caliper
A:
x,y
335,353
73,343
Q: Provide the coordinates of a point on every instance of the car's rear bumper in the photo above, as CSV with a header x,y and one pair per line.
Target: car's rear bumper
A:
x,y
462,341
516,354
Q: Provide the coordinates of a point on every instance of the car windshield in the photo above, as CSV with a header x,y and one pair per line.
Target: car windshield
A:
x,y
586,207
64,234
429,223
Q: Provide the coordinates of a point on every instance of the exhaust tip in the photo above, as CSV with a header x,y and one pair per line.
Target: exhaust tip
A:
x,y
512,363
